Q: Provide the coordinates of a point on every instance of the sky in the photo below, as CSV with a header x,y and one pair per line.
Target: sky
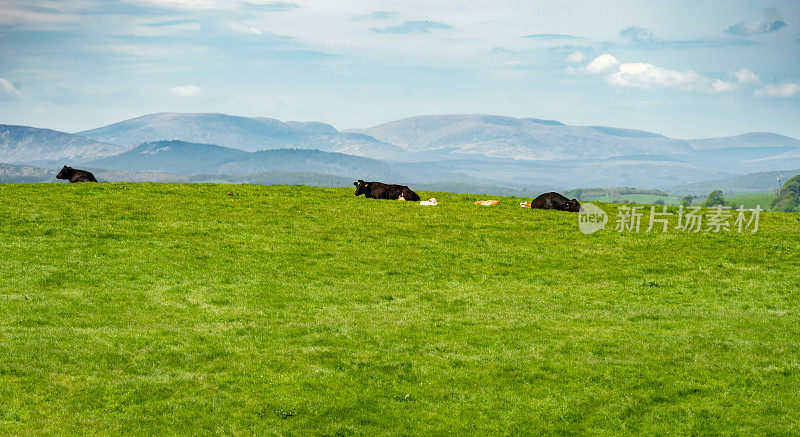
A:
x,y
685,69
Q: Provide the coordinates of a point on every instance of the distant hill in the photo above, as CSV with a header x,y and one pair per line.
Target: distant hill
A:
x,y
313,161
105,175
520,138
756,182
24,174
245,133
170,156
279,178
25,144
180,157
753,139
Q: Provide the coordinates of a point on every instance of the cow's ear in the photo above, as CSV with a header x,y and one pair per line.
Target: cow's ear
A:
x,y
355,183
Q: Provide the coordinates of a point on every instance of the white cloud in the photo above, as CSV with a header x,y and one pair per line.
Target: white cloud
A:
x,y
186,91
576,58
7,89
645,75
746,76
721,86
782,90
737,79
642,75
602,64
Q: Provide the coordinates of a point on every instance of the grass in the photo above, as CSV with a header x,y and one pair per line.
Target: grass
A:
x,y
181,309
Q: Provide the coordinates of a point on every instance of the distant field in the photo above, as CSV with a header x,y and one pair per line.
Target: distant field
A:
x,y
751,200
180,309
645,199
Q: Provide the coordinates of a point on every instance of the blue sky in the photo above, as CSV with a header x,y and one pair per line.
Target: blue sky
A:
x,y
681,68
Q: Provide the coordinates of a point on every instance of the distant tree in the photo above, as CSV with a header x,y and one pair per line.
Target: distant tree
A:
x,y
658,202
714,199
687,200
788,199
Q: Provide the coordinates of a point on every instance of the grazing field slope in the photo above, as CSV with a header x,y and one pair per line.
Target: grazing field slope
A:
x,y
232,309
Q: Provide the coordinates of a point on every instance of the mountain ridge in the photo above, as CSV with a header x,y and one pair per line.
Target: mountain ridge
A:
x,y
180,157
482,147
422,137
250,134
749,139
519,138
26,144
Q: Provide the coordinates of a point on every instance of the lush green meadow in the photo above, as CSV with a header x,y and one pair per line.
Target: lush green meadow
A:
x,y
180,309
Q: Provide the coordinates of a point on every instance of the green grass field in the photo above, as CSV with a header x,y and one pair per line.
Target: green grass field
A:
x,y
179,309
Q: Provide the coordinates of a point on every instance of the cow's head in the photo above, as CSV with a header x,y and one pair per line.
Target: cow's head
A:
x,y
573,205
361,187
65,173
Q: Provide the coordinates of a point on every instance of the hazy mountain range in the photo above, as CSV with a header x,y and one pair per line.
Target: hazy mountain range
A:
x,y
519,138
753,139
246,133
473,150
185,158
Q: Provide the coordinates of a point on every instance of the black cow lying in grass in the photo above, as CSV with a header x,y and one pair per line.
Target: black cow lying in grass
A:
x,y
556,201
75,175
377,190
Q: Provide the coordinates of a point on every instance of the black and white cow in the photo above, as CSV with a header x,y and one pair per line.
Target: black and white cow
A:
x,y
556,201
378,190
